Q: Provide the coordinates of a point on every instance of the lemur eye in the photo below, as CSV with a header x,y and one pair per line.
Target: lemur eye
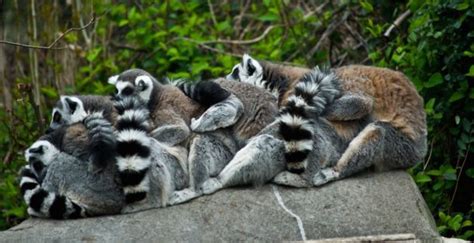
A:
x,y
127,91
56,117
141,85
116,91
37,150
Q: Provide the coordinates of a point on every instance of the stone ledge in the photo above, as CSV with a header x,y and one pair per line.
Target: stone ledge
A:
x,y
369,204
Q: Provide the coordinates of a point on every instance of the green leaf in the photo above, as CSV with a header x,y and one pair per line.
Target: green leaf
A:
x,y
367,6
455,97
434,172
470,172
462,6
471,71
429,105
466,223
422,178
123,22
435,79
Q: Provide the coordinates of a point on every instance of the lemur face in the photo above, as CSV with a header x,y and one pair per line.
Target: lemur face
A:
x,y
248,71
39,156
133,82
68,110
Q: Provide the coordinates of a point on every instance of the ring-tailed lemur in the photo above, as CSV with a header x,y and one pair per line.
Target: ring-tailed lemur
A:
x,y
58,183
166,170
72,109
245,114
363,95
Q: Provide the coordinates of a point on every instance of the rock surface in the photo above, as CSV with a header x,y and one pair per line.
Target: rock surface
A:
x,y
369,204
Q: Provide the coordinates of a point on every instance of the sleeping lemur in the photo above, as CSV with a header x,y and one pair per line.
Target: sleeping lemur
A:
x,y
377,112
58,183
242,108
145,163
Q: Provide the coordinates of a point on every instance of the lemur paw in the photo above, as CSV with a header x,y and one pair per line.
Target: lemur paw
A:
x,y
170,134
211,185
287,178
324,176
203,124
183,196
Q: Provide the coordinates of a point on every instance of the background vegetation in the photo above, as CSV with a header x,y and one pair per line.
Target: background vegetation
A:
x,y
430,41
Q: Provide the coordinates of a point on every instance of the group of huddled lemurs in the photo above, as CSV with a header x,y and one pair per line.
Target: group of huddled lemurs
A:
x,y
155,144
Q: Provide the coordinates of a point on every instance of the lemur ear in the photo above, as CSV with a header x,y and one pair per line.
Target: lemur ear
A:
x,y
235,72
71,104
250,68
248,64
113,80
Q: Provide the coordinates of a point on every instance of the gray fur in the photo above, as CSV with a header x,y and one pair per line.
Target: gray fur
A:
x,y
89,104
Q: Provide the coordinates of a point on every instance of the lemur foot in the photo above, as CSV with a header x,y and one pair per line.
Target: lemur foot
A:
x,y
211,185
287,178
183,196
324,176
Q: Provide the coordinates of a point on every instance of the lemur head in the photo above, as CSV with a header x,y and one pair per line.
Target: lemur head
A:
x,y
134,82
68,110
248,71
39,155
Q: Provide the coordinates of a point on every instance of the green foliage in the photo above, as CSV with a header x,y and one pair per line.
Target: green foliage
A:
x,y
433,47
436,54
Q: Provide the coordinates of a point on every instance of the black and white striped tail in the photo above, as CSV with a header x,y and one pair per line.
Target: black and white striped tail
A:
x,y
133,148
102,139
206,93
312,94
45,204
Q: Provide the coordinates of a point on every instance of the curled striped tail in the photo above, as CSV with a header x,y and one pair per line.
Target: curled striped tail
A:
x,y
313,93
133,148
44,204
102,140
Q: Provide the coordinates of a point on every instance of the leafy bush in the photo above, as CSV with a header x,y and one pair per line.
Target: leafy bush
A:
x,y
199,40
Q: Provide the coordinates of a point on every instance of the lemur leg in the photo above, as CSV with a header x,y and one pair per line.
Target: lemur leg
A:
x,y
379,144
287,178
363,151
208,155
258,162
221,115
225,108
349,107
171,129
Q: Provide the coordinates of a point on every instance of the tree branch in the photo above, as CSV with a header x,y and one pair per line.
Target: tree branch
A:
x,y
243,42
330,29
51,46
397,23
